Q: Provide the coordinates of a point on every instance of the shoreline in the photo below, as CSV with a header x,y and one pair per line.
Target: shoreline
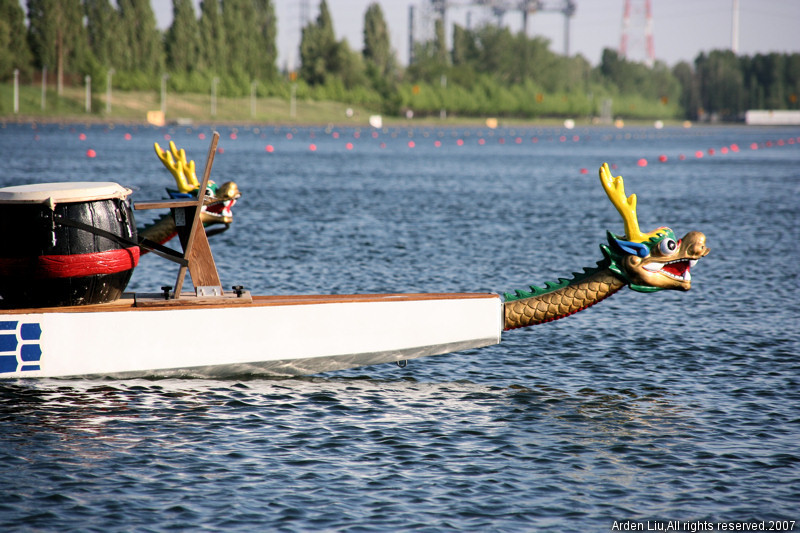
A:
x,y
424,122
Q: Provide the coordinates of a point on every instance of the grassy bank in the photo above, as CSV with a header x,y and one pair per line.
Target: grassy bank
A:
x,y
132,107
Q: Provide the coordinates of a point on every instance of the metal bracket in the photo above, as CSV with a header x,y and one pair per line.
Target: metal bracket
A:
x,y
208,290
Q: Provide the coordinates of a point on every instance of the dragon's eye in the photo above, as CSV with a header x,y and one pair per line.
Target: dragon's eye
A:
x,y
667,246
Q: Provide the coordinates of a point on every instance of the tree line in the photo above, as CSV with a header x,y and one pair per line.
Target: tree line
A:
x,y
488,70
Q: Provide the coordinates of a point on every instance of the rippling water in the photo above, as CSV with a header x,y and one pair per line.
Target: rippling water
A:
x,y
646,407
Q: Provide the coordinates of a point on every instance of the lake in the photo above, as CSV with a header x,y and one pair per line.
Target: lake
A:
x,y
647,407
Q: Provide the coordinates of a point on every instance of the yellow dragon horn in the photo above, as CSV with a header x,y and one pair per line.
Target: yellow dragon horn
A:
x,y
626,206
188,166
181,170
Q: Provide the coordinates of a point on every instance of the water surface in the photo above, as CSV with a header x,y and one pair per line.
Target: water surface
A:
x,y
667,406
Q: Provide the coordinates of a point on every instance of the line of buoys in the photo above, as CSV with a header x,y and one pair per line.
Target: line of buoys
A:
x,y
438,143
464,138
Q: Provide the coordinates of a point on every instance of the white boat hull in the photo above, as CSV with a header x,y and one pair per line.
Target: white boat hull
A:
x,y
289,335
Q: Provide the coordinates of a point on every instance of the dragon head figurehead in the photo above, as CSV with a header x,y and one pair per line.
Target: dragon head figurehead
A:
x,y
652,261
219,198
646,262
218,209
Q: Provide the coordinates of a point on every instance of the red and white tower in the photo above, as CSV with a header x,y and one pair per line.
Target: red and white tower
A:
x,y
636,43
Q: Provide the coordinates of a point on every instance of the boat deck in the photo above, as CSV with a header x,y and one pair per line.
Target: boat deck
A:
x,y
155,301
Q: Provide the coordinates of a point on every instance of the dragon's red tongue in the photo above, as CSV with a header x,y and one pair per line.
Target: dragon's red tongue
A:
x,y
678,268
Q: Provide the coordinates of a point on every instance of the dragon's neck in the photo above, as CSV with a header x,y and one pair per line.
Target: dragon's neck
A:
x,y
561,299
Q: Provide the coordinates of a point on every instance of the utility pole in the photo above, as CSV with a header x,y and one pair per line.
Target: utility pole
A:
x,y
16,91
214,82
44,87
108,90
735,28
253,98
88,104
164,78
568,11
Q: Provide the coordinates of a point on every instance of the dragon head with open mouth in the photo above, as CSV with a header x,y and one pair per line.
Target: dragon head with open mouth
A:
x,y
217,209
649,261
645,262
217,214
219,198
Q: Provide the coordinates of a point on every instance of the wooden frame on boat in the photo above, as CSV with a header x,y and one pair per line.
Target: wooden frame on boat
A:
x,y
155,334
196,250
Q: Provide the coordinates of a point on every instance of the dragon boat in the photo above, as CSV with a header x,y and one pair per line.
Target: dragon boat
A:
x,y
65,313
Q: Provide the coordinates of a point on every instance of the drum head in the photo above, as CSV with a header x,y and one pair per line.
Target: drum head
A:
x,y
62,192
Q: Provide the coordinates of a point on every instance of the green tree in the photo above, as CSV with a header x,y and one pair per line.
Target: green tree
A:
x,y
793,81
327,62
689,97
348,66
721,84
266,47
6,57
378,51
440,42
464,50
496,53
238,18
430,58
769,72
182,40
14,49
380,59
252,54
318,48
633,78
615,69
213,45
512,59
143,50
102,21
57,36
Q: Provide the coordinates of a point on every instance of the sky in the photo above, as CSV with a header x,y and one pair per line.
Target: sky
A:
x,y
681,29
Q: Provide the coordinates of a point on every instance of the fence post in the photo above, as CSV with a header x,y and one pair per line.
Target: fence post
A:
x,y
88,80
16,91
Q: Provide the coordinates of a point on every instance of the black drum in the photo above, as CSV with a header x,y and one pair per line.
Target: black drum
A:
x,y
65,244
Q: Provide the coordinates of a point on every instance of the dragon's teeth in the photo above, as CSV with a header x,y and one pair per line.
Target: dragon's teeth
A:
x,y
653,267
692,262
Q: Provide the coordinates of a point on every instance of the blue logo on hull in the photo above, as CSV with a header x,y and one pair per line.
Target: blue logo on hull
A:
x,y
19,346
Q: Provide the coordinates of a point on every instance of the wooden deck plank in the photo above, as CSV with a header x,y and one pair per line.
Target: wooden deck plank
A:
x,y
190,301
163,204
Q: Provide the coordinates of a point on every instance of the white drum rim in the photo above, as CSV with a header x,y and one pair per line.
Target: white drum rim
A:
x,y
63,192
